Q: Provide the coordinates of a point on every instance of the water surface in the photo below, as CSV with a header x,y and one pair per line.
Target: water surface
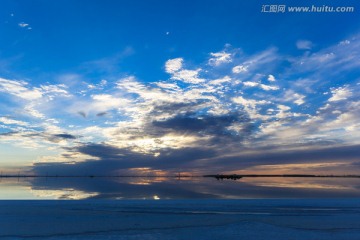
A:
x,y
175,188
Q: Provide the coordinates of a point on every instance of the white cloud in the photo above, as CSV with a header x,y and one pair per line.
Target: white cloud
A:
x,y
104,102
268,88
271,78
175,68
304,44
173,65
33,112
10,121
250,106
334,60
55,89
220,58
19,89
291,96
263,58
248,102
262,86
220,81
240,69
169,86
341,93
250,84
345,42
188,76
300,99
283,107
23,25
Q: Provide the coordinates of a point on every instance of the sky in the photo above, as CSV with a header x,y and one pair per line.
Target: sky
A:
x,y
161,87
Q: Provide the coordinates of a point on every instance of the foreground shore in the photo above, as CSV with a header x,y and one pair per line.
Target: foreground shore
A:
x,y
182,219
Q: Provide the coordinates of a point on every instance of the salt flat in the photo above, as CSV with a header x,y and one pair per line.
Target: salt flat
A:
x,y
182,219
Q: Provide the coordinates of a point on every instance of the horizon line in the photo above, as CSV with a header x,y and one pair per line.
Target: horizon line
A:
x,y
182,176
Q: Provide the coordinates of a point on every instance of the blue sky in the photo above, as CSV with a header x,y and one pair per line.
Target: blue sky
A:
x,y
106,87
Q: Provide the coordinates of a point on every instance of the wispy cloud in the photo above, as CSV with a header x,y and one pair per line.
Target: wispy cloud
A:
x,y
24,25
304,44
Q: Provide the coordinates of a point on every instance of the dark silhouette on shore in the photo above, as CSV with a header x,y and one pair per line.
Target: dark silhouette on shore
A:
x,y
224,176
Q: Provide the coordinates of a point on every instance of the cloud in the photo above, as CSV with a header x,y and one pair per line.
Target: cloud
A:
x,y
291,96
249,102
173,65
262,86
111,160
219,58
345,154
23,25
199,114
341,93
39,140
262,60
65,136
22,90
333,61
7,120
51,90
221,81
30,109
19,89
268,88
188,76
304,44
251,106
108,65
250,84
213,126
81,113
271,78
100,114
240,69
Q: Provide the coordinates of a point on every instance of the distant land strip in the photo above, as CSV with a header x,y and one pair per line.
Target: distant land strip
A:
x,y
236,176
92,176
217,176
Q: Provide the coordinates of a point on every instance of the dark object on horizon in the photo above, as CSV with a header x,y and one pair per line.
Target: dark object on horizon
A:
x,y
224,176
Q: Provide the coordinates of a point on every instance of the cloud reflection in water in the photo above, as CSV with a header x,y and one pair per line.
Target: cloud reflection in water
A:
x,y
189,188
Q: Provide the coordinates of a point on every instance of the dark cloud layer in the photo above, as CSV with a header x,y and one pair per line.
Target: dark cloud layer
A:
x,y
113,160
343,154
204,125
65,136
43,135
